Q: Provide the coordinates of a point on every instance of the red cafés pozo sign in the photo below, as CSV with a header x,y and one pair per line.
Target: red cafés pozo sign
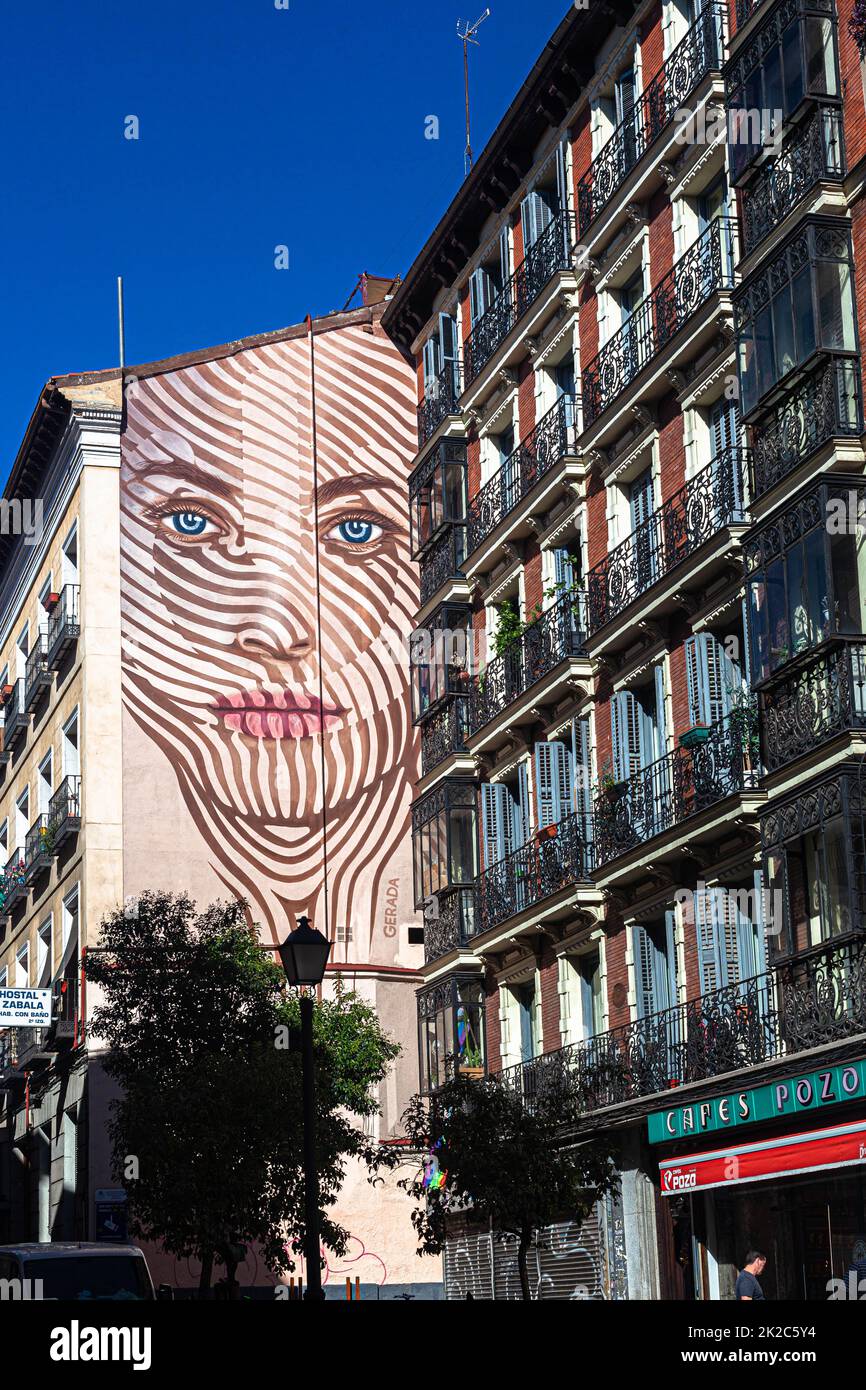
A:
x,y
813,1091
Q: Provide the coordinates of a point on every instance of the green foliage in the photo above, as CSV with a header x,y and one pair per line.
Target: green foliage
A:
x,y
505,1161
195,1019
509,627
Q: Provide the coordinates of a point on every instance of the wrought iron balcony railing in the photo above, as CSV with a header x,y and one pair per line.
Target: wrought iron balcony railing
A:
x,y
680,784
813,703
440,401
37,673
64,811
552,439
444,732
451,923
543,644
38,847
552,252
16,717
13,882
443,560
805,1002
702,271
556,857
64,625
816,153
824,404
698,53
709,501
745,9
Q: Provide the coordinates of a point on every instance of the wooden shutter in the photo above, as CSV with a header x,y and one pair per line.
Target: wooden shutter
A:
x,y
709,961
520,810
724,426
645,972
641,499
693,682
655,967
582,764
529,221
480,293
711,679
545,785
493,822
626,734
561,178
505,254
563,778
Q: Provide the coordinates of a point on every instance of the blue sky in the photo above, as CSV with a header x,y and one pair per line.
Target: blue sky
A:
x,y
258,127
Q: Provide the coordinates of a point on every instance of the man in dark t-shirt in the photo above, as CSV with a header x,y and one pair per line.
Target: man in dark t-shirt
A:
x,y
748,1288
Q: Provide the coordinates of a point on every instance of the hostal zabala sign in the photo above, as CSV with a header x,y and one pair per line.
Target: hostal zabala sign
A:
x,y
793,1096
25,1008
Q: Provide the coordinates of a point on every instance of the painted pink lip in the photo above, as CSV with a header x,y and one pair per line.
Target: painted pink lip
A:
x,y
284,714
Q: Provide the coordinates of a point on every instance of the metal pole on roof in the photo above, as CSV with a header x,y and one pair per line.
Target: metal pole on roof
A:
x,y
466,38
120,328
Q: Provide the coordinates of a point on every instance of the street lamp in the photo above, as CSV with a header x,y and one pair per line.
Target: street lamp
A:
x,y
304,955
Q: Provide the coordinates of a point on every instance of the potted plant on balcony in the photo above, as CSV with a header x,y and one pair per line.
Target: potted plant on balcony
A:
x,y
743,724
611,789
5,693
546,832
471,1062
51,601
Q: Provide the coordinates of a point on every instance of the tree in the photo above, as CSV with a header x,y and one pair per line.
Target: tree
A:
x,y
207,1131
503,1158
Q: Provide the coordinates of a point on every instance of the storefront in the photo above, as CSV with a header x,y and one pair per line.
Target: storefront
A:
x,y
779,1168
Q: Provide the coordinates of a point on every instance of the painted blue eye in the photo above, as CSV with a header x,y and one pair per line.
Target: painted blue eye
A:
x,y
358,532
189,523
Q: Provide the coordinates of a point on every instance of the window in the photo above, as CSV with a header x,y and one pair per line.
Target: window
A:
x,y
69,924
4,976
489,279
803,301
444,839
22,967
69,747
554,782
22,819
437,491
22,649
504,817
45,783
713,679
44,592
795,59
441,654
527,1023
4,842
44,955
441,360
70,557
637,728
729,935
451,1030
655,967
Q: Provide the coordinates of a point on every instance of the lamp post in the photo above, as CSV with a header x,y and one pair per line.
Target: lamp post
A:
x,y
304,955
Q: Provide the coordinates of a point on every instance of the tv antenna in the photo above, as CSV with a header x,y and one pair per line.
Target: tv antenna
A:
x,y
466,38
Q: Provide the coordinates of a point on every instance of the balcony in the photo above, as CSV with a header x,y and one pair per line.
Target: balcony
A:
x,y
824,404
802,1003
745,9
443,732
696,55
680,785
38,848
450,924
64,628
557,857
816,153
552,439
440,401
551,253
37,674
64,812
442,562
544,645
16,718
13,883
813,704
708,503
704,270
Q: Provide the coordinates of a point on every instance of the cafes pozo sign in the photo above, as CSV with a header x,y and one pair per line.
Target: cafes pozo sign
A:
x,y
25,1008
793,1096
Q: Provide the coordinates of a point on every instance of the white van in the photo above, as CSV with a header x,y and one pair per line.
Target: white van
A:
x,y
81,1271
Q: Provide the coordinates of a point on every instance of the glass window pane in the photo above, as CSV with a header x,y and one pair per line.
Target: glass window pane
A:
x,y
780,641
792,63
463,863
847,563
801,290
773,95
797,614
748,373
835,305
455,491
764,351
783,334
817,595
759,630
820,57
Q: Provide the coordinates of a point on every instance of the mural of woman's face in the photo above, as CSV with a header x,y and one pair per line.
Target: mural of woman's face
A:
x,y
223,664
